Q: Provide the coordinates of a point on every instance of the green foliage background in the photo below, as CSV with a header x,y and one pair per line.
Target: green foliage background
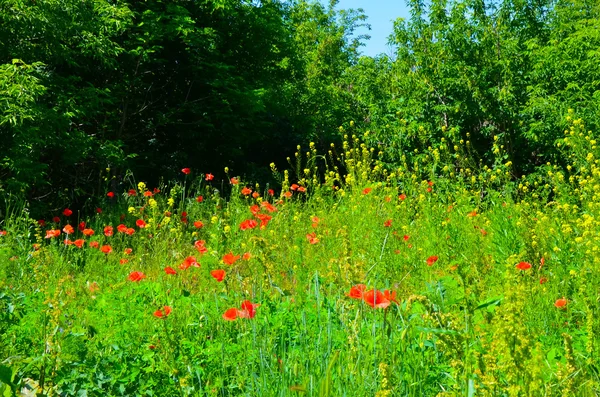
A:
x,y
147,86
90,89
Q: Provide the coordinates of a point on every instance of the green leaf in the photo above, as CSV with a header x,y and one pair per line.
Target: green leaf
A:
x,y
491,302
5,390
5,375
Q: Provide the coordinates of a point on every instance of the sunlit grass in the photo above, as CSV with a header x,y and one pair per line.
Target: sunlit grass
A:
x,y
259,293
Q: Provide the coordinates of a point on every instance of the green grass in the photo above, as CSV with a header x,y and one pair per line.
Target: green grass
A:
x,y
471,323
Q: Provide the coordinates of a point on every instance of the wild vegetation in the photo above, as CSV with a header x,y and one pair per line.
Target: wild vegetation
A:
x,y
224,198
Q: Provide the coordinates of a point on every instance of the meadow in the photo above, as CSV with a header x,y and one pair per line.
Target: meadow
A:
x,y
437,277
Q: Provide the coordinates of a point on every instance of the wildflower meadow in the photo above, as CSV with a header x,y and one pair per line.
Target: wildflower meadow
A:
x,y
226,198
421,280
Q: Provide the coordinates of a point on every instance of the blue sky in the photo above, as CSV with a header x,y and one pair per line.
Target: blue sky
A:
x,y
381,13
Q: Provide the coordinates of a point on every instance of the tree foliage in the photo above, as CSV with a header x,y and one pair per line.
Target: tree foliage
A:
x,y
479,71
157,85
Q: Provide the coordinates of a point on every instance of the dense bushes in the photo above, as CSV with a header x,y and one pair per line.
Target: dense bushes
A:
x,y
151,85
487,73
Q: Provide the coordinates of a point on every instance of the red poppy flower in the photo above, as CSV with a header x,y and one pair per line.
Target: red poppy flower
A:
x,y
42,222
98,210
246,191
199,199
218,274
431,260
108,231
192,261
88,232
93,286
248,309
198,224
67,212
94,244
79,243
246,256
255,195
68,229
56,219
209,177
268,206
106,249
264,220
136,276
166,310
542,260
294,187
390,295
200,247
254,209
523,266
366,190
68,242
561,303
287,194
230,314
140,223
188,262
234,181
230,259
376,299
402,197
248,224
312,238
186,171
170,270
130,231
271,192
132,192
81,226
52,233
387,223
357,291
110,195
156,190
123,261
301,189
128,251
148,194
121,228
406,237
543,280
